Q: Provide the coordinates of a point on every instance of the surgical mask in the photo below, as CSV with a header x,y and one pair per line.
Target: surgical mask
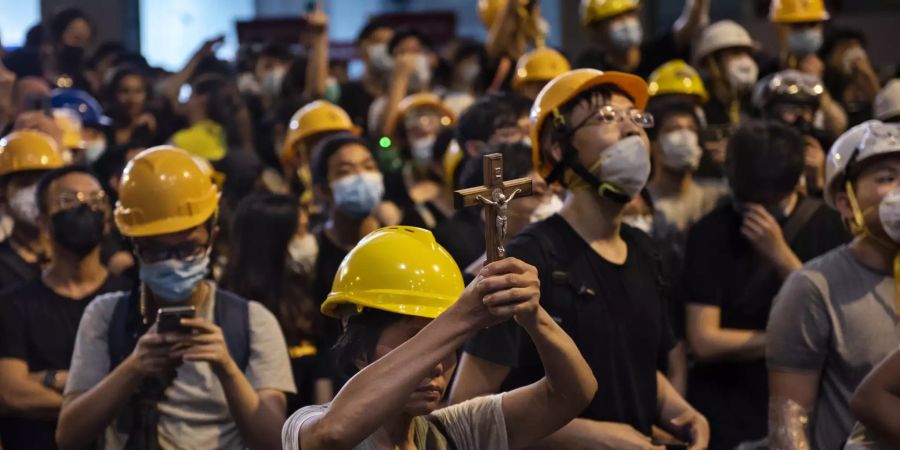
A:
x,y
421,76
78,230
889,213
681,149
379,58
550,206
174,280
469,74
23,205
358,195
626,33
741,73
332,90
272,80
642,222
850,57
624,166
303,253
93,150
422,150
805,42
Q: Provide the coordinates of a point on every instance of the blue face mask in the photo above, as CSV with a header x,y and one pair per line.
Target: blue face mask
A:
x,y
174,280
626,33
805,42
358,195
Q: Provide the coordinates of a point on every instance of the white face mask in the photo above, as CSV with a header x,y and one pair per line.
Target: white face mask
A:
x,y
626,33
93,150
303,252
550,206
741,73
421,150
422,75
681,149
271,81
889,213
379,59
469,73
625,165
641,222
23,205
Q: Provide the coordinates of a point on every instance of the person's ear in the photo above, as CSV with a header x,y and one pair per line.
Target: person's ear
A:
x,y
555,152
842,203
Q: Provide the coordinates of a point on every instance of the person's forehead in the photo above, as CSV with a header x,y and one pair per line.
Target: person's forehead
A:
x,y
409,43
381,35
889,162
75,182
351,154
677,119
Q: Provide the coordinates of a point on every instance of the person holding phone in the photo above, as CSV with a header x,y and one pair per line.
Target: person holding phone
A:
x,y
220,381
39,319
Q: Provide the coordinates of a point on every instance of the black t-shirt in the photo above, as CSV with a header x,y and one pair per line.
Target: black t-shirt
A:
x,y
356,100
14,269
722,269
39,326
654,53
616,314
462,235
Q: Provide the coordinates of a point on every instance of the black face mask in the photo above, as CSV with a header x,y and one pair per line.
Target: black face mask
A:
x,y
79,230
71,59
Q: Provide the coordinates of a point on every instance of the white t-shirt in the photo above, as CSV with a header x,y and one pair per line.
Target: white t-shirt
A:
x,y
471,425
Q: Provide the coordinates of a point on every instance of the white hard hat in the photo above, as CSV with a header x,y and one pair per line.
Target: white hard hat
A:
x,y
868,139
721,35
887,102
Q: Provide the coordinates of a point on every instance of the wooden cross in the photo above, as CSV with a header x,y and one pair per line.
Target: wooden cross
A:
x,y
494,196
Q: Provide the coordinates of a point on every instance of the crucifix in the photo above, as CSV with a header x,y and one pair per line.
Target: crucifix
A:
x,y
494,196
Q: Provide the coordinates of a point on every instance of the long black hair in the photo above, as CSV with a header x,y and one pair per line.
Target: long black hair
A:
x,y
257,269
110,99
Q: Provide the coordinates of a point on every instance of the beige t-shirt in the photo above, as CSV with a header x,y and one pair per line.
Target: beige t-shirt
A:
x,y
194,413
683,211
471,425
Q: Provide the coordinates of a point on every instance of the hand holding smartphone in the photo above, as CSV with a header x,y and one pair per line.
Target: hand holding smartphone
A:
x,y
169,319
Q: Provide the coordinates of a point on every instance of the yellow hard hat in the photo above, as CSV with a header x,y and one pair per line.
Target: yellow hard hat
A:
x,y
205,139
28,150
793,11
163,190
400,269
596,10
677,77
314,118
566,87
542,64
429,100
69,123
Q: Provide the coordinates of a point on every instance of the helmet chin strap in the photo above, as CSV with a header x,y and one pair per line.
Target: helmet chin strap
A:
x,y
858,226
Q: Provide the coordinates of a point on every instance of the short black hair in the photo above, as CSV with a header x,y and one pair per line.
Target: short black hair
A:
x,y
405,33
764,161
43,185
326,149
63,19
661,108
275,50
516,164
356,345
373,24
480,120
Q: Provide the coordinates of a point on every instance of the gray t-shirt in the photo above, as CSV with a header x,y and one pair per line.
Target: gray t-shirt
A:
x,y
194,413
837,318
470,425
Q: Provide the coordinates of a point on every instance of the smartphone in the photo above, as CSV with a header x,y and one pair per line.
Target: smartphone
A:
x,y
169,319
670,445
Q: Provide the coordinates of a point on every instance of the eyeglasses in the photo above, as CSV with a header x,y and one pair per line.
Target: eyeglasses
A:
x,y
188,252
95,200
609,114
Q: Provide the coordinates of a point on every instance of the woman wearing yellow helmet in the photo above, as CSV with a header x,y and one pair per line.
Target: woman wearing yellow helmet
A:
x,y
406,313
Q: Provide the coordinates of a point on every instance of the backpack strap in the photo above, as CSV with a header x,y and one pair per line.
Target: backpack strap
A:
x,y
232,315
125,328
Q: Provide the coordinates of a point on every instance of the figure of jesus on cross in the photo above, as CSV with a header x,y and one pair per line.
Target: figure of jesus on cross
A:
x,y
494,196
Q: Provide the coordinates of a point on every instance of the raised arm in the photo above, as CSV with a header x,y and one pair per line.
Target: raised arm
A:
x,y
505,38
876,402
173,83
694,17
403,68
317,65
382,387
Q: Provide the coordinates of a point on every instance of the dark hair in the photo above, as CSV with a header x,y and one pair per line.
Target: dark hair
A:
x,y
764,161
661,108
35,36
356,345
43,185
275,50
516,164
324,150
373,24
111,103
479,121
262,228
61,21
837,35
108,48
223,103
405,33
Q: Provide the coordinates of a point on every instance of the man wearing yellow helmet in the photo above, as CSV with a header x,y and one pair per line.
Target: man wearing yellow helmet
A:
x,y
596,274
175,362
615,29
24,157
405,312
800,25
